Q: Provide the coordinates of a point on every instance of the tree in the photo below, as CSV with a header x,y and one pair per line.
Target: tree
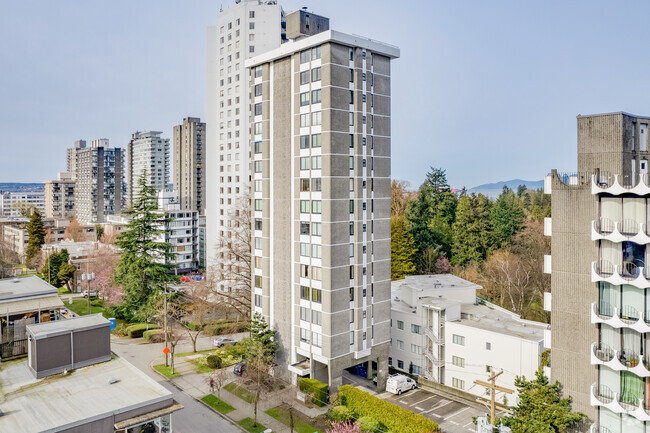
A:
x,y
50,269
402,249
344,427
443,266
471,230
220,377
103,264
99,231
258,367
142,270
197,310
541,408
36,232
399,198
74,231
506,217
260,336
8,258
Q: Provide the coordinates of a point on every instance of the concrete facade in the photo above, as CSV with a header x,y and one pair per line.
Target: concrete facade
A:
x,y
598,277
71,157
321,202
59,197
12,202
147,153
189,163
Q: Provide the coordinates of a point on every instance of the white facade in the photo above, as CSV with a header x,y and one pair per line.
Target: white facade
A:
x,y
439,332
11,202
148,153
244,30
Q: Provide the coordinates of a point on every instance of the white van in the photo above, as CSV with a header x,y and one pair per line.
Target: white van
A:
x,y
398,383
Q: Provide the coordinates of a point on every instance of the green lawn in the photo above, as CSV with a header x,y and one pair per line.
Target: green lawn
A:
x,y
167,371
200,366
64,291
240,392
80,306
216,404
298,425
249,424
202,352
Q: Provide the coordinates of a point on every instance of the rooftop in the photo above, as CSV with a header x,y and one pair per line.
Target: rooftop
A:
x,y
88,393
492,318
438,281
26,287
47,329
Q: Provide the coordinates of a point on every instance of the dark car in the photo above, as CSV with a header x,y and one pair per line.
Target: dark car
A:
x,y
239,369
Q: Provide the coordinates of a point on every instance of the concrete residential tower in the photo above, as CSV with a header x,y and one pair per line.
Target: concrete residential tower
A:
x,y
321,199
71,157
600,307
189,164
59,197
148,153
248,28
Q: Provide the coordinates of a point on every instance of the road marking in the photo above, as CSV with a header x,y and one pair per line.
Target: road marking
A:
x,y
422,401
437,416
469,423
419,408
442,403
457,412
403,402
453,422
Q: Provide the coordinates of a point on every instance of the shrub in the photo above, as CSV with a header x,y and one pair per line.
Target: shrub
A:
x,y
318,390
153,335
340,414
221,327
120,329
213,361
370,425
136,331
392,416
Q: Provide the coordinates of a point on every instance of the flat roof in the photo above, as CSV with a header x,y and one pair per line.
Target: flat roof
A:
x,y
437,281
45,329
30,305
496,319
611,114
63,401
25,287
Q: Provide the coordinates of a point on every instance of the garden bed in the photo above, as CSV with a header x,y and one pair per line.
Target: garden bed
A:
x,y
301,422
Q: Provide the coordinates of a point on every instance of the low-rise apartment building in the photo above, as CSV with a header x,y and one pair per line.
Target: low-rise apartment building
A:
x,y
439,332
11,203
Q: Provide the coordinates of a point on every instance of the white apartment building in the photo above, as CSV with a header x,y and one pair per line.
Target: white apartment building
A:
x,y
12,202
321,199
439,332
147,153
244,30
59,197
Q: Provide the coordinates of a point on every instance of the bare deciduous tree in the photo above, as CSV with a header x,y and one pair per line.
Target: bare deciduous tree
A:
x,y
198,310
400,197
74,231
220,377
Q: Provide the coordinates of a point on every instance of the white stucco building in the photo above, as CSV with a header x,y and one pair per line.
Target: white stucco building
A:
x,y
148,152
12,202
438,331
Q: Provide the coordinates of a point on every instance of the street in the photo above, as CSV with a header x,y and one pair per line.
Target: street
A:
x,y
195,417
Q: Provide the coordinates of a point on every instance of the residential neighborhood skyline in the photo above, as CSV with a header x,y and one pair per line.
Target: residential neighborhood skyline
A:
x,y
70,75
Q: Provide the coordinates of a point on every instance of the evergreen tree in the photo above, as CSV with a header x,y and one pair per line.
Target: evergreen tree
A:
x,y
541,408
471,230
36,232
402,249
142,270
507,218
262,340
51,268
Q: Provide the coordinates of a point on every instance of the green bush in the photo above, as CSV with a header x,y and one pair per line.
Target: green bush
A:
x,y
318,390
340,414
120,329
213,361
153,335
390,415
136,331
370,425
221,327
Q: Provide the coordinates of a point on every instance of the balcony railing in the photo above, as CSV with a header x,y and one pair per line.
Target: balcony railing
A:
x,y
433,358
603,352
428,331
604,268
603,393
629,358
629,314
620,184
604,226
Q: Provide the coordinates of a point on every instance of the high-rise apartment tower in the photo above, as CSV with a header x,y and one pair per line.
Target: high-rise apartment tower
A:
x,y
189,164
71,157
59,197
320,147
147,153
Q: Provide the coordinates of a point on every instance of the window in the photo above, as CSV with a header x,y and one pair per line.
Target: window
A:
x,y
317,251
304,250
351,163
351,229
417,369
258,109
251,48
316,317
316,140
488,346
316,229
351,97
351,250
304,99
315,74
304,141
304,292
316,294
351,54
316,118
258,300
258,166
316,184
351,184
304,335
415,329
400,344
258,72
457,361
304,185
258,186
458,339
315,96
258,90
488,369
258,224
258,262
304,163
257,128
315,53
258,147
416,349
304,120
317,339
251,26
304,314
304,56
351,294
351,206
400,364
316,163
400,325
457,383
351,119
304,77
316,206
258,243
390,361
258,281
351,272
304,227
258,204
304,206
351,75
251,14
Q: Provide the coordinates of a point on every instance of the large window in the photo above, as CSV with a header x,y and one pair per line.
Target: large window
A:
x,y
304,77
316,140
258,166
315,74
304,99
316,118
317,294
304,120
317,339
258,71
257,128
258,147
304,141
304,56
258,204
304,249
304,292
416,349
304,314
316,317
457,383
315,53
315,97
258,90
258,281
304,185
317,251
316,229
258,109
316,206
315,162
458,361
415,329
316,184
258,300
304,163
458,339
304,206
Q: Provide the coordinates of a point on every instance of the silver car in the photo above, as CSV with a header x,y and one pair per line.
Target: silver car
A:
x,y
224,341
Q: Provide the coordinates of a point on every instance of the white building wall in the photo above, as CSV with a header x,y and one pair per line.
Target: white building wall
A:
x,y
402,354
12,199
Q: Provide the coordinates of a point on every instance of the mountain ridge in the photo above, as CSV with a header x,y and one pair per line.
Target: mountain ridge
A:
x,y
512,184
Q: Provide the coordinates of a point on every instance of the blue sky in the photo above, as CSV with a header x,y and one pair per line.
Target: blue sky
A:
x,y
488,90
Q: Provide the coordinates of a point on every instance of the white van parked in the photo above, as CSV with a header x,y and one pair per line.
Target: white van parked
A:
x,y
398,383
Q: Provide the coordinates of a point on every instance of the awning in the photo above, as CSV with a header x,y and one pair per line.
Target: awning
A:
x,y
30,305
302,368
147,416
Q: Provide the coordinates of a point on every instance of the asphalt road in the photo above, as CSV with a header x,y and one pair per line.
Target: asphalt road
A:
x,y
195,417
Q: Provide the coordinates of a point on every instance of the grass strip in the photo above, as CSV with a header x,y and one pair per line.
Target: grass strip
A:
x,y
298,425
216,404
167,371
249,424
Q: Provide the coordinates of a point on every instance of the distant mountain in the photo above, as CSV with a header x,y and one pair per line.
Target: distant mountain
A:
x,y
21,187
512,184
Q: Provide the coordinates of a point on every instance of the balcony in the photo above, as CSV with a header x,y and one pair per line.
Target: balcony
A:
x,y
617,185
615,231
625,317
617,403
625,360
595,428
627,273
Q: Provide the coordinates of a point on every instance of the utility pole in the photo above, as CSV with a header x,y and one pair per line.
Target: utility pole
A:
x,y
165,326
493,387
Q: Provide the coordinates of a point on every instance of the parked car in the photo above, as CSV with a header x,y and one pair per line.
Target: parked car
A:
x,y
398,383
224,341
93,294
240,368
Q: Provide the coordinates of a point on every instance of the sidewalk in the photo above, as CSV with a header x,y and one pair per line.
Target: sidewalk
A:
x,y
197,385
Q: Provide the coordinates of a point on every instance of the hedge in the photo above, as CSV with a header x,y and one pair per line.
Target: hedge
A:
x,y
370,425
340,414
318,390
213,361
224,328
392,416
152,335
136,331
